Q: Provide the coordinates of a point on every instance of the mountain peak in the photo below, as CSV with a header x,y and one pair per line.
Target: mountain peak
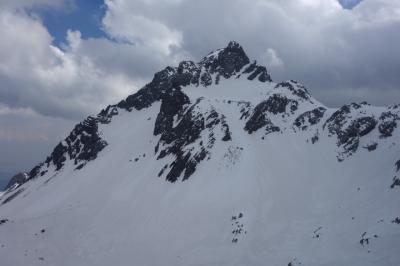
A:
x,y
226,61
234,45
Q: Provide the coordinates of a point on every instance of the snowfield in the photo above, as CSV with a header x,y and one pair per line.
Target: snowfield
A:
x,y
269,197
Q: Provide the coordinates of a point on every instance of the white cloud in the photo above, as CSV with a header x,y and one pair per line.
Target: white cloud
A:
x,y
376,14
139,29
51,81
5,110
272,59
83,75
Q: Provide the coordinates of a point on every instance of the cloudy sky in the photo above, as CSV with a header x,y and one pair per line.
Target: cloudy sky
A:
x,y
61,60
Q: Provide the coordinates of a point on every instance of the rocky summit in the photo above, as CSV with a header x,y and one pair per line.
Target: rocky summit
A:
x,y
213,163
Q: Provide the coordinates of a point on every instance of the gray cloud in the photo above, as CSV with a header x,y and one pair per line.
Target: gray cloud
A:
x,y
26,138
353,53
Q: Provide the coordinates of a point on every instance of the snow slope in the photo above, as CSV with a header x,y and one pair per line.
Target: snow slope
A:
x,y
212,163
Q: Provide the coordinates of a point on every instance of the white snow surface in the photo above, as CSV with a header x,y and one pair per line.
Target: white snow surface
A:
x,y
297,203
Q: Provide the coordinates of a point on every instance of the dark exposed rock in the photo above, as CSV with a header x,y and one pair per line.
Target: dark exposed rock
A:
x,y
271,128
371,147
396,220
361,126
17,180
255,71
386,128
192,163
337,120
179,166
350,137
396,182
162,170
364,240
35,170
150,93
13,195
42,173
3,221
172,104
245,109
90,142
175,139
276,104
317,232
215,119
188,73
261,73
251,68
349,134
237,227
186,131
82,145
227,61
206,79
227,135
309,118
296,88
398,166
315,138
388,123
257,120
58,156
106,114
80,166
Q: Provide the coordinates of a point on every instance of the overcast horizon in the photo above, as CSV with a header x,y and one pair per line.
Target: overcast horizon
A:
x,y
62,60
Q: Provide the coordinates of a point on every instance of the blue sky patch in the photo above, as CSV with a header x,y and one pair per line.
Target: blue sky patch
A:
x,y
84,16
349,4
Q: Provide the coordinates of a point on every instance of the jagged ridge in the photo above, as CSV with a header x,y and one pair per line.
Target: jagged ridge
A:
x,y
84,142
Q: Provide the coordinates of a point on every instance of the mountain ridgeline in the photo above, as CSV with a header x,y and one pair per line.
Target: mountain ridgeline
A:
x,y
347,125
220,155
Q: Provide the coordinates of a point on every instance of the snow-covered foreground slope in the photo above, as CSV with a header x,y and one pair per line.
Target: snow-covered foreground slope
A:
x,y
214,164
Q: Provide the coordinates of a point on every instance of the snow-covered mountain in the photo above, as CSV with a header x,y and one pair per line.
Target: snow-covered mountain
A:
x,y
213,163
